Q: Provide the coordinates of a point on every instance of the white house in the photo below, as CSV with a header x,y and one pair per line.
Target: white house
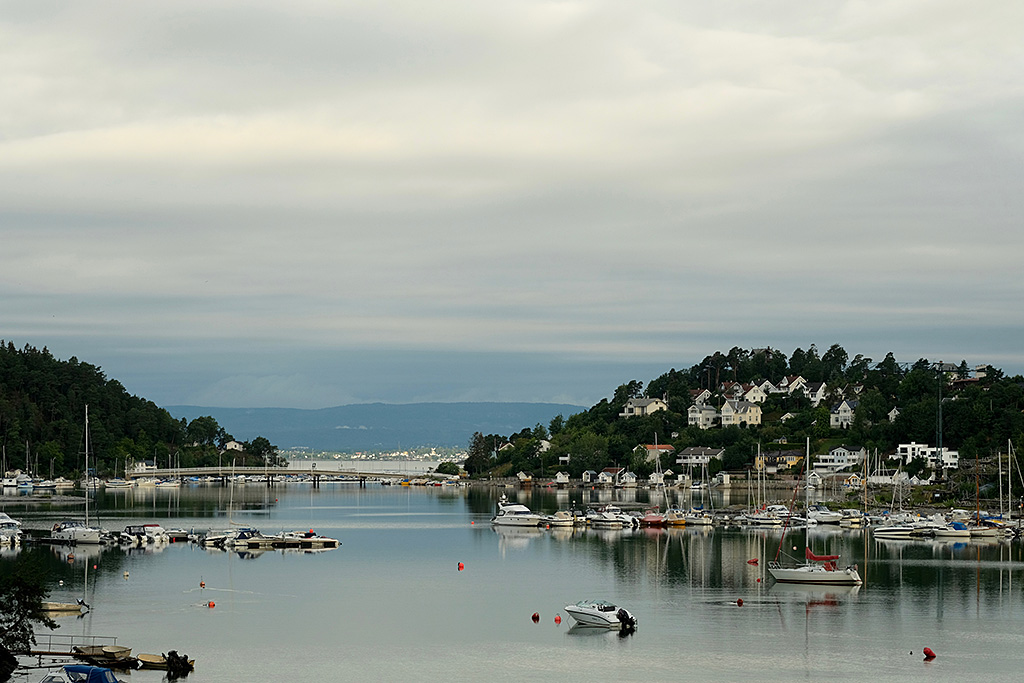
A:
x,y
703,416
816,392
698,455
754,393
700,397
642,406
627,480
656,480
561,479
893,414
609,476
233,446
144,467
791,384
839,458
841,415
937,457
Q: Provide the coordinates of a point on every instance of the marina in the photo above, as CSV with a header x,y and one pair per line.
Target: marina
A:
x,y
424,567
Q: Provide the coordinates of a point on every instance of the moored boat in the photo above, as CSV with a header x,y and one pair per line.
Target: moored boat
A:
x,y
819,569
601,613
514,514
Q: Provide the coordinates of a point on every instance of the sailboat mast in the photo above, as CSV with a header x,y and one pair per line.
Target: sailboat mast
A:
x,y
87,466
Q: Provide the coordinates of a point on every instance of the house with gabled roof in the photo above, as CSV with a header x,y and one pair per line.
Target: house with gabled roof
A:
x,y
735,412
816,392
754,393
840,458
590,477
703,416
700,396
609,476
627,480
791,384
642,406
561,479
698,455
841,415
655,451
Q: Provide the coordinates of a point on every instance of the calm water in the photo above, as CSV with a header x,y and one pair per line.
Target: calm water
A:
x,y
391,604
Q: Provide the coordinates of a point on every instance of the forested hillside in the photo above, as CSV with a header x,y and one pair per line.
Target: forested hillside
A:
x,y
42,420
980,412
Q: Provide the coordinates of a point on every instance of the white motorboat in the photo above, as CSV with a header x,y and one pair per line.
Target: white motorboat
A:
x,y
822,515
887,531
697,517
953,530
73,532
10,530
819,569
601,613
852,518
612,517
514,514
562,518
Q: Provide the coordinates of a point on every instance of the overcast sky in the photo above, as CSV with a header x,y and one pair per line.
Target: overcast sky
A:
x,y
315,203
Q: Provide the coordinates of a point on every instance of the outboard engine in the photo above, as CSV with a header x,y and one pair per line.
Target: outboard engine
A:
x,y
626,620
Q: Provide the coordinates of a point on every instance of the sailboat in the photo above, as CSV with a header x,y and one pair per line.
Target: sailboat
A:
x,y
818,569
74,532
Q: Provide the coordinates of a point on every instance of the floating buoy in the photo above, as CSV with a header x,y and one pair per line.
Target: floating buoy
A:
x,y
739,602
202,584
753,561
461,566
472,522
558,618
794,547
759,580
928,654
61,582
94,566
125,574
211,604
536,617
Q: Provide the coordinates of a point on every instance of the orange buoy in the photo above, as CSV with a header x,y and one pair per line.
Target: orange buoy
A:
x,y
536,617
928,654
461,566
472,522
202,584
558,618
210,604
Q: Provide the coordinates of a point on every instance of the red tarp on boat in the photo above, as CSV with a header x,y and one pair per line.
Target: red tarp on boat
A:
x,y
818,558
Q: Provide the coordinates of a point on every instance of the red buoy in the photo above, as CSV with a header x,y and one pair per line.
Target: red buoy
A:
x,y
739,602
210,604
753,561
461,566
536,617
202,584
928,654
558,618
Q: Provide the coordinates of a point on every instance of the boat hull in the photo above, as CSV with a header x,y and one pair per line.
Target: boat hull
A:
x,y
817,575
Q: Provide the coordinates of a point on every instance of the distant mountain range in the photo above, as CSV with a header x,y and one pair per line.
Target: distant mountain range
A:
x,y
378,426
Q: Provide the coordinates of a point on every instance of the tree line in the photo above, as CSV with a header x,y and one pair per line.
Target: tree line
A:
x,y
42,422
978,414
